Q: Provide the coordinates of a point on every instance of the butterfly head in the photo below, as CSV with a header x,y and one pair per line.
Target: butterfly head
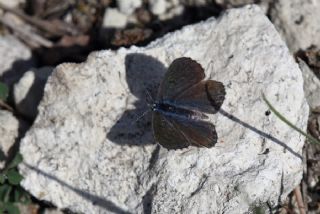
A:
x,y
153,106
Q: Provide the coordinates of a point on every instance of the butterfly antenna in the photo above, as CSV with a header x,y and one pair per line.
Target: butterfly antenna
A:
x,y
141,116
149,97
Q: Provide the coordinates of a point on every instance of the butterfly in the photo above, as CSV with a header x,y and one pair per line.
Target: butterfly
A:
x,y
184,98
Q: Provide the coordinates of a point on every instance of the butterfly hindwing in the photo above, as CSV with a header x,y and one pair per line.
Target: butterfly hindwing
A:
x,y
166,134
197,133
173,133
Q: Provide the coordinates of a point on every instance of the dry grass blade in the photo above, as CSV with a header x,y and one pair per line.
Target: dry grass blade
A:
x,y
308,137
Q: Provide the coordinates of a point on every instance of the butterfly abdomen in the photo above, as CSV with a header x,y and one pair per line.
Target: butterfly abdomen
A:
x,y
170,110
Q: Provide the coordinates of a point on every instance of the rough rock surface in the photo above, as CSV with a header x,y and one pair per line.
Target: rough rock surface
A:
x,y
9,130
298,22
311,85
85,152
29,91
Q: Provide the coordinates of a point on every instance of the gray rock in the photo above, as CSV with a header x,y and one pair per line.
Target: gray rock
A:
x,y
29,91
85,152
9,130
12,3
170,9
113,18
128,6
264,5
311,85
298,22
158,7
15,59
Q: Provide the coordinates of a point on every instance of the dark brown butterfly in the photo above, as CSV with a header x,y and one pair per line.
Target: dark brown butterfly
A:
x,y
179,118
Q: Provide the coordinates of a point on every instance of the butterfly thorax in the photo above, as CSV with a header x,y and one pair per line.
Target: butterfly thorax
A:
x,y
169,109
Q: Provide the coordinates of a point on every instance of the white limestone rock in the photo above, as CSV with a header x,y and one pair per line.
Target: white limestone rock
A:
x,y
298,22
9,130
85,152
29,91
311,85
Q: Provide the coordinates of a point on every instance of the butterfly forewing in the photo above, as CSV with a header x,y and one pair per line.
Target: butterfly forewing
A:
x,y
206,96
182,74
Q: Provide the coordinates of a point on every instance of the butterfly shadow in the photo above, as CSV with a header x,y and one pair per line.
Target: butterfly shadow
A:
x,y
143,76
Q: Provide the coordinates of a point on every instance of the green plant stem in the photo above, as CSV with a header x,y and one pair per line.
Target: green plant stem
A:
x,y
281,117
7,196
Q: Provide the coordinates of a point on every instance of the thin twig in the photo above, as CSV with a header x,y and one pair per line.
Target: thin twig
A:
x,y
54,29
62,6
26,34
297,194
6,106
305,176
316,110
